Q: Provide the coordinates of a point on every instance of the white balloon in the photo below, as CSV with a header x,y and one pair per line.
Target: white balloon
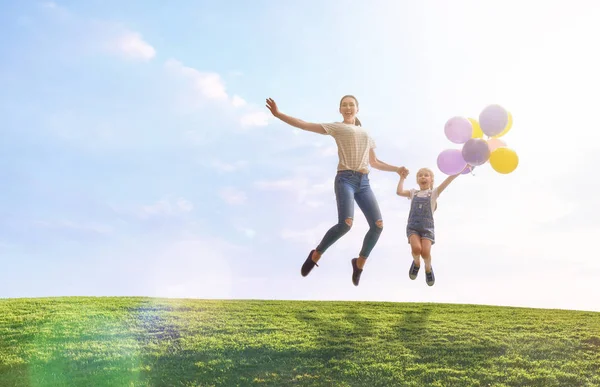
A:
x,y
493,119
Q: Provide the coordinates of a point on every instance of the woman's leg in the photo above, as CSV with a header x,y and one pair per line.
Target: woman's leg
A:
x,y
367,202
344,195
345,185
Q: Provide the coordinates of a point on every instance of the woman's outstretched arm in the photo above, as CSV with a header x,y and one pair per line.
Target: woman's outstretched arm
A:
x,y
296,122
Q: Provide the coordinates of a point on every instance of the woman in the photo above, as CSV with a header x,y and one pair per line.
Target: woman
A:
x,y
355,153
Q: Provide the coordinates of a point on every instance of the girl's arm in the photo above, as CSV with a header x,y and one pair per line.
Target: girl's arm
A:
x,y
445,183
400,190
296,122
449,180
378,164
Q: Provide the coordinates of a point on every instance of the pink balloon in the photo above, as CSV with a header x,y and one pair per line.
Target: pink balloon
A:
x,y
451,162
493,120
495,143
476,151
458,130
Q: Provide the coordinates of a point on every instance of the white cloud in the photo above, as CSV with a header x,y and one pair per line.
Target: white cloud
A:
x,y
232,196
209,85
90,35
238,101
166,207
131,45
256,118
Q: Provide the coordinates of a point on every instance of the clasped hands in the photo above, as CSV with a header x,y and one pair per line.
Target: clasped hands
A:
x,y
402,171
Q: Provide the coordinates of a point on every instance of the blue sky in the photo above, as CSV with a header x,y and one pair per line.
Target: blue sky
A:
x,y
137,157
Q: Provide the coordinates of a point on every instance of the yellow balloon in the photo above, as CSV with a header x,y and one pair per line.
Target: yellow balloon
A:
x,y
504,160
506,128
477,132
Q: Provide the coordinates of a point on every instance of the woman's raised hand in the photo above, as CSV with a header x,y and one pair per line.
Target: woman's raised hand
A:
x,y
272,106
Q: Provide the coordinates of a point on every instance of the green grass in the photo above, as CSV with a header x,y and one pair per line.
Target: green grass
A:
x,y
155,342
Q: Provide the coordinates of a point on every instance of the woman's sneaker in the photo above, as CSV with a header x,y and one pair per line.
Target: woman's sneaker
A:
x,y
308,265
414,270
356,272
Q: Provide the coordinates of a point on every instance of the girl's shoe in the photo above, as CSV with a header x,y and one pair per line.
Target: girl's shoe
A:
x,y
414,270
430,278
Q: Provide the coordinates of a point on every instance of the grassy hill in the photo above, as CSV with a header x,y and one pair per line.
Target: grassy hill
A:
x,y
156,342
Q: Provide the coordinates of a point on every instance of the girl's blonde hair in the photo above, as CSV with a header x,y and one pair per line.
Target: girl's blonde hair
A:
x,y
430,173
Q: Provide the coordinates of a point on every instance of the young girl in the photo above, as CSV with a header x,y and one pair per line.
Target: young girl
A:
x,y
420,229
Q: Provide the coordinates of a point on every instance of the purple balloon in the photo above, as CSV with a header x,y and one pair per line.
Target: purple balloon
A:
x,y
458,130
476,151
493,119
451,161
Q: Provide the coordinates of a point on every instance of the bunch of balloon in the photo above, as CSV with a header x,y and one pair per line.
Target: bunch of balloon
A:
x,y
494,122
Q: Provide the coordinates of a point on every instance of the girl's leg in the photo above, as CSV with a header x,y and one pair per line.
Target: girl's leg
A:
x,y
416,248
367,202
426,253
